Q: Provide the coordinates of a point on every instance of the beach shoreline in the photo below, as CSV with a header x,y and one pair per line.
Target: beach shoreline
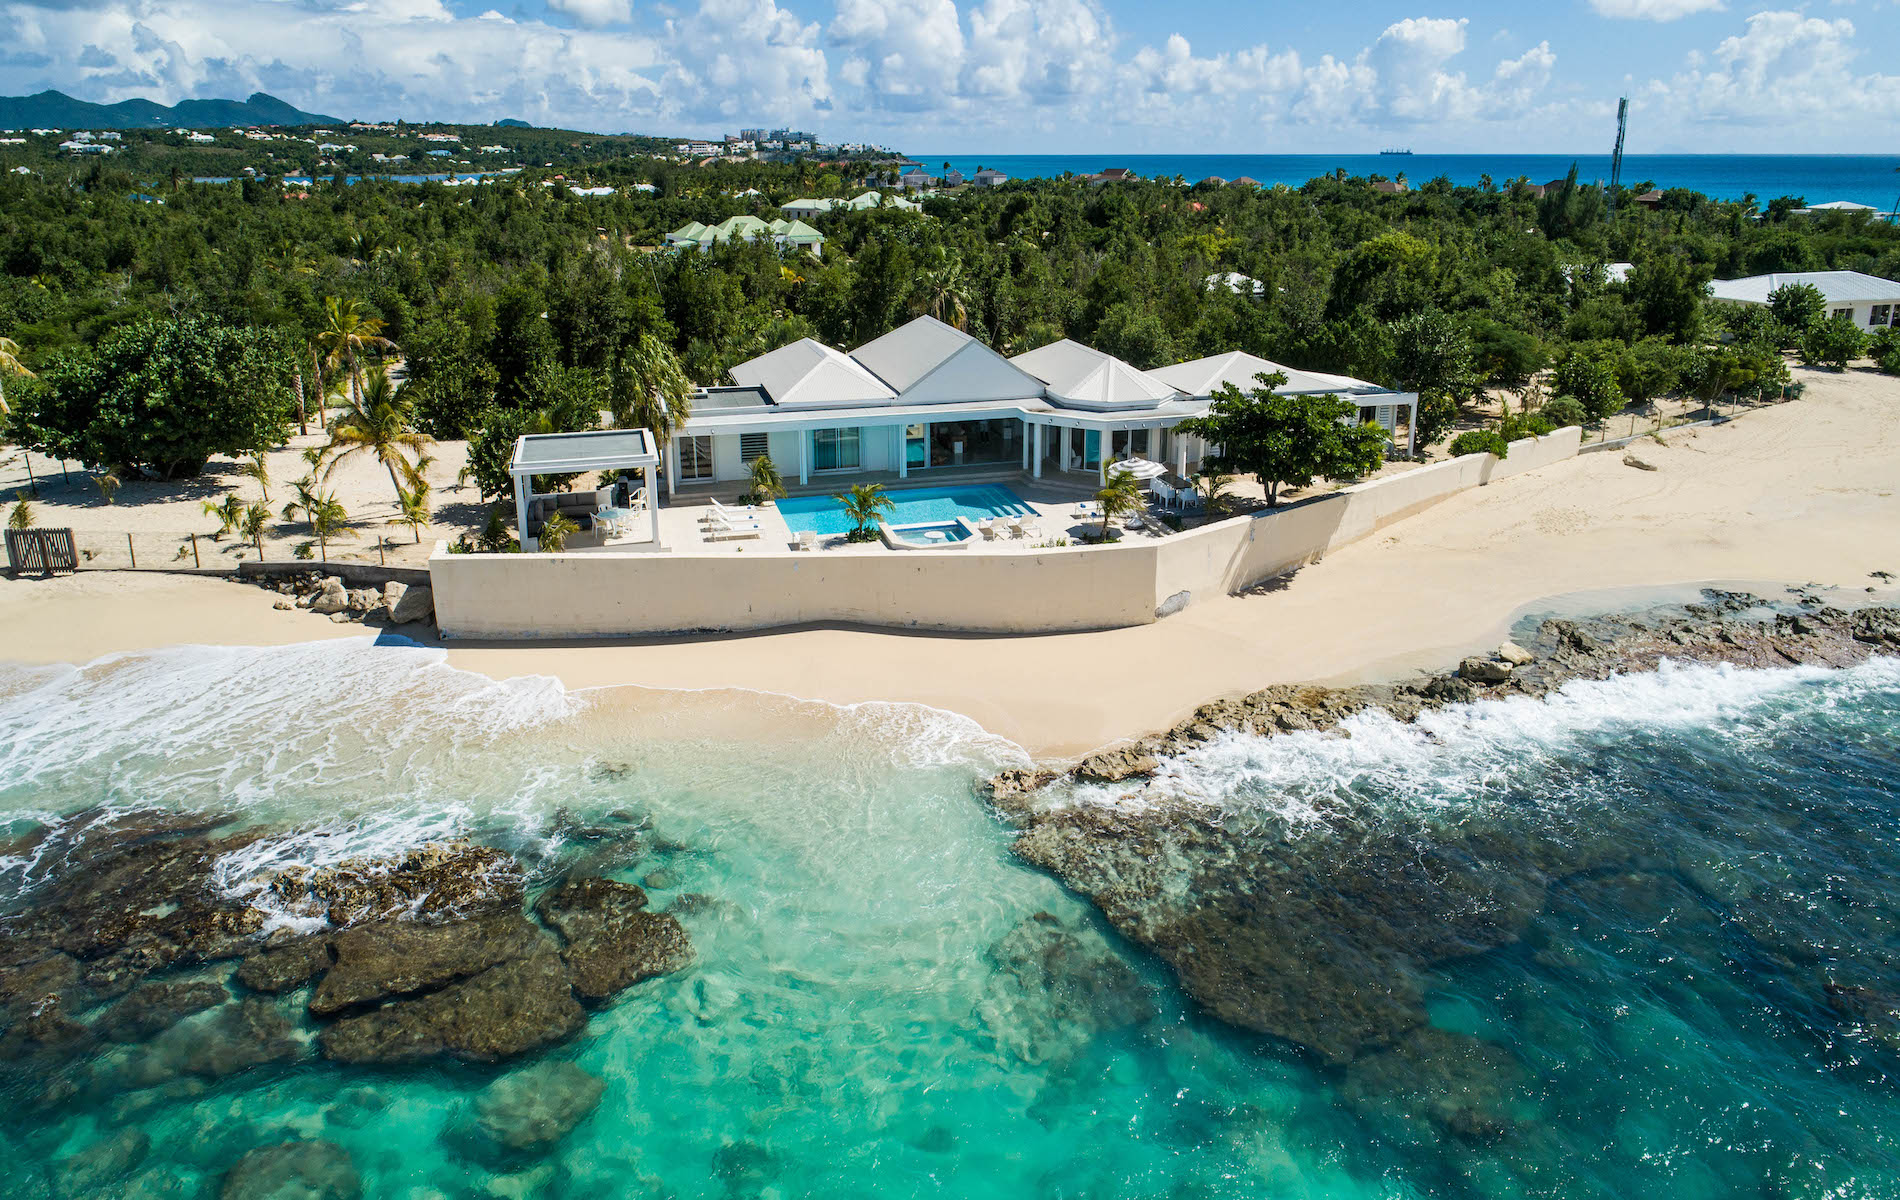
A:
x,y
1802,493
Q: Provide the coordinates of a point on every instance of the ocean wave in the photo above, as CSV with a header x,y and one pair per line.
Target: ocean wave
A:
x,y
1454,760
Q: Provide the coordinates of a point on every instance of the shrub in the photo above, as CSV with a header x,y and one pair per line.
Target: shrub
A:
x,y
1884,349
1834,342
1799,306
1480,441
1563,411
1591,380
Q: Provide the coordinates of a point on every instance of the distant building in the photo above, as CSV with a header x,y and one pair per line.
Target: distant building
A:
x,y
1111,175
914,179
953,178
1649,199
1246,181
989,177
1389,187
1238,284
1835,206
201,139
747,228
1867,300
78,147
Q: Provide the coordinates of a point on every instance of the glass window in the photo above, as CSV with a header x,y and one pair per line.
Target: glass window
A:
x,y
834,449
696,457
1880,314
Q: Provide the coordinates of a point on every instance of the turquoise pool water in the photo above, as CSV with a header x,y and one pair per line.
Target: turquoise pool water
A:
x,y
824,515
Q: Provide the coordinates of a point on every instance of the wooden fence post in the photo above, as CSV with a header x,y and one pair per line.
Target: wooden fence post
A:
x,y
195,560
132,550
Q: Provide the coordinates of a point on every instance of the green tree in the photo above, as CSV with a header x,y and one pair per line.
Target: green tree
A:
x,y
649,390
1480,441
554,533
766,484
349,336
22,515
865,505
1433,357
160,397
412,508
1120,495
1590,379
1286,440
1798,306
377,422
328,520
252,524
10,364
1884,349
1666,290
1834,343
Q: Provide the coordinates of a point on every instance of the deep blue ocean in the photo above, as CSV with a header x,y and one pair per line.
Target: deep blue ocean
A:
x,y
1862,178
886,1002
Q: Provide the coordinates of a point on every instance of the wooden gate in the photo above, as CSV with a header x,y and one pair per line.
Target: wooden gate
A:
x,y
41,551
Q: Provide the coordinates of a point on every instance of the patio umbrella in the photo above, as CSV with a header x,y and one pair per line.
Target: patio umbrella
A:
x,y
1140,468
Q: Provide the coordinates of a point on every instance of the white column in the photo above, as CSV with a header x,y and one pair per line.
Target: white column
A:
x,y
672,470
523,493
653,504
1025,445
1411,430
1036,452
804,456
903,451
1103,448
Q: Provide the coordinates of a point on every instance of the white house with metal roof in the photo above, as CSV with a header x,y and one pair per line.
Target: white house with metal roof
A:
x,y
1868,300
927,397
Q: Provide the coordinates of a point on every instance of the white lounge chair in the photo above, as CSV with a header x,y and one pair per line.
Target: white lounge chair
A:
x,y
988,528
734,512
720,530
805,540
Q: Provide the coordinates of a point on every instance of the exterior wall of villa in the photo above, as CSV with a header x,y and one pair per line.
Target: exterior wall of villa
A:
x,y
508,596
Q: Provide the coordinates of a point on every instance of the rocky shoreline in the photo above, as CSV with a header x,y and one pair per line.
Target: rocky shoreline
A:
x,y
130,972
1324,940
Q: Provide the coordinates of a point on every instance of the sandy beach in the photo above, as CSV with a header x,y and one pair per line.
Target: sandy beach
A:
x,y
1803,492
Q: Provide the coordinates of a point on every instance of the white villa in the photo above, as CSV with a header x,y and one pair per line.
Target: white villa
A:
x,y
926,397
747,228
809,207
1868,300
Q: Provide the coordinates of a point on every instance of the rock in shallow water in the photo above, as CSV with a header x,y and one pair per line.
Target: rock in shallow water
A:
x,y
293,1171
535,1107
151,1008
100,1168
505,1011
612,942
393,958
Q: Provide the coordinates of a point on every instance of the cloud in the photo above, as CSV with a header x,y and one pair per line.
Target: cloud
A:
x,y
904,53
1782,67
1652,10
595,13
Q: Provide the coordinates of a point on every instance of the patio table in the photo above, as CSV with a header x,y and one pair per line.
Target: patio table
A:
x,y
611,518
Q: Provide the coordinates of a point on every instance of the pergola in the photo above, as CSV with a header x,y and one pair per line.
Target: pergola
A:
x,y
573,453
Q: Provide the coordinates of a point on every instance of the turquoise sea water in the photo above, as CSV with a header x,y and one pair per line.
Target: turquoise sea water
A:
x,y
869,1012
938,505
1861,178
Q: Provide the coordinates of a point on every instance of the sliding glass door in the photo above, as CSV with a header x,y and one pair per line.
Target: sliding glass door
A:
x,y
835,449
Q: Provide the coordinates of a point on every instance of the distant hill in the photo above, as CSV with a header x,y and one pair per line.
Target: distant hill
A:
x,y
514,123
56,110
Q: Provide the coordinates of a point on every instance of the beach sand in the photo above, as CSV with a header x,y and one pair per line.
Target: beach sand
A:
x,y
1806,491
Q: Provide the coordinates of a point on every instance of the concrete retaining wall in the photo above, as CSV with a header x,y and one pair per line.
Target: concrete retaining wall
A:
x,y
507,596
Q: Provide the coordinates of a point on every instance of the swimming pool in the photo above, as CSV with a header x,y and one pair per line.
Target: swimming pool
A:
x,y
824,515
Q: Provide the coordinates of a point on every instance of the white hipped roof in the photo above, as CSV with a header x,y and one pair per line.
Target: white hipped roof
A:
x,y
1839,287
927,361
1084,377
811,374
1205,376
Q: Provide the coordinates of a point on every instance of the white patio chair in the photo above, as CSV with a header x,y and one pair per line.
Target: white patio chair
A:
x,y
806,540
987,527
734,512
721,530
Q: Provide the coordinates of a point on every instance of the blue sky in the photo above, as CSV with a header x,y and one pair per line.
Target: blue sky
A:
x,y
1020,76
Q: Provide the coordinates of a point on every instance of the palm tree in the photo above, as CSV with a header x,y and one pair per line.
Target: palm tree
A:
x,y
865,504
108,485
554,533
328,520
228,513
651,391
1120,495
944,293
253,523
413,508
259,469
348,336
767,484
377,423
21,517
1217,493
10,364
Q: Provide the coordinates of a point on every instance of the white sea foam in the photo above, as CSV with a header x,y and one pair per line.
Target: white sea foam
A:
x,y
1454,759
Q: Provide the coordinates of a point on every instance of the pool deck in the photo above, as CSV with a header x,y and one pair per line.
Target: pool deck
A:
x,y
1053,499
